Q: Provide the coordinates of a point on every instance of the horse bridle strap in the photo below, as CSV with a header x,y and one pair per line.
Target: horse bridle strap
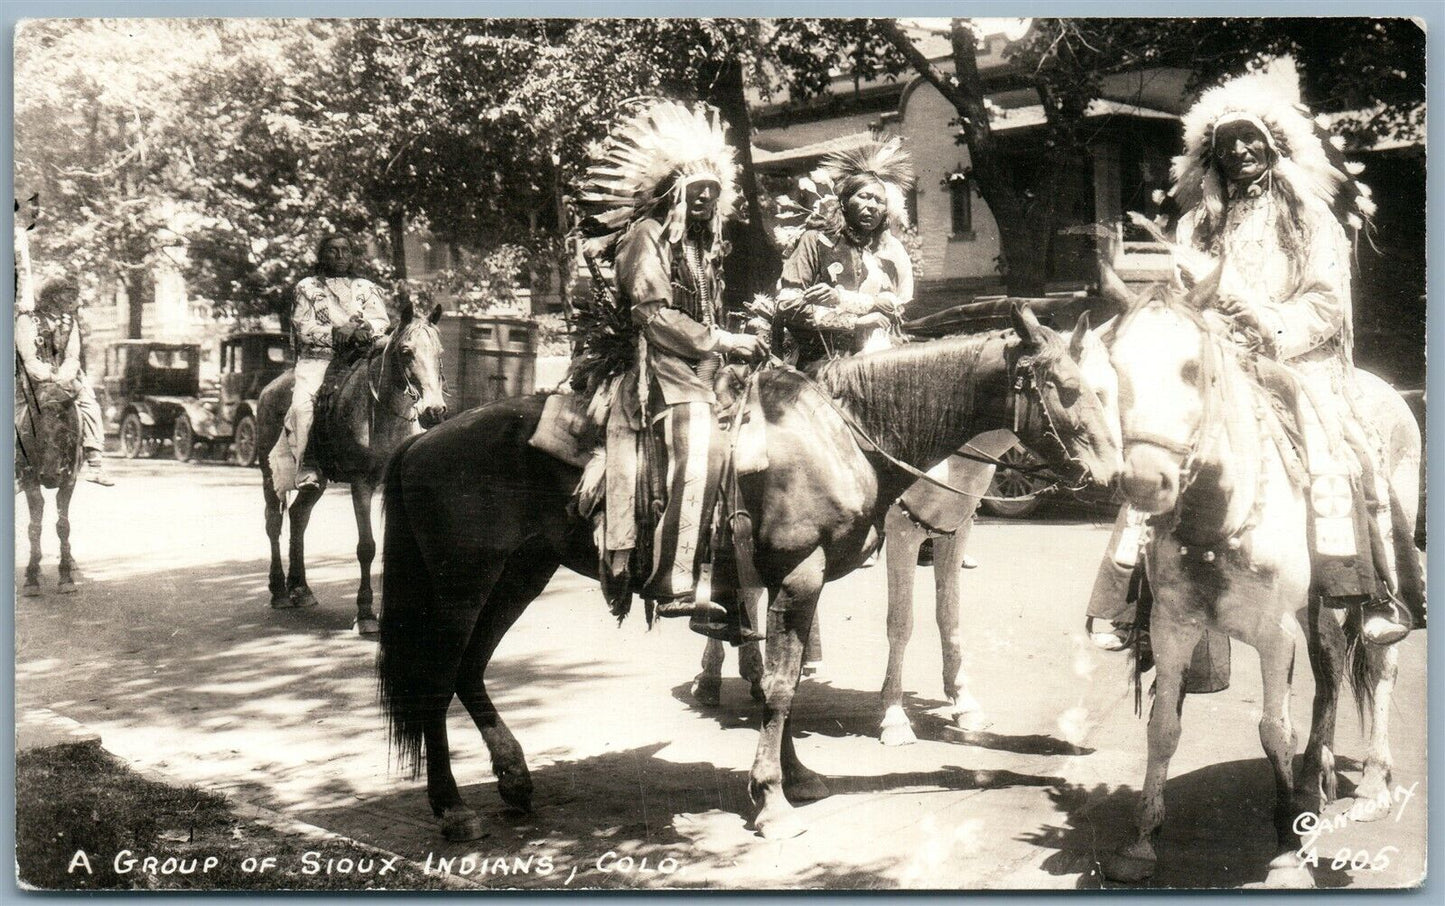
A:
x,y
868,441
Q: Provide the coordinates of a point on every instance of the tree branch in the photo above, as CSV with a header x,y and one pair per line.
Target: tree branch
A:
x,y
946,86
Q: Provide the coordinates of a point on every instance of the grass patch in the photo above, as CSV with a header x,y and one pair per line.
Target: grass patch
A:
x,y
74,799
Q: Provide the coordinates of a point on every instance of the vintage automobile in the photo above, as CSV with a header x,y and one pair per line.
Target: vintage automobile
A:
x,y
149,390
249,361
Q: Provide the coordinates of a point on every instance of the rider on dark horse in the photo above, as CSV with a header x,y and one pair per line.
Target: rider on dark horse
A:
x,y
661,195
48,347
334,310
1268,194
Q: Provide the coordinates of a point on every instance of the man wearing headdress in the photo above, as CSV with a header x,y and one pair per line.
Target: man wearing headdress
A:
x,y
663,189
47,349
333,310
847,278
1267,195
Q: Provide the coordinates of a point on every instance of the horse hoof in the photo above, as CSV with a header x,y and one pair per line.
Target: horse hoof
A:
x,y
975,720
282,602
30,591
897,735
1287,872
779,823
367,626
461,824
516,791
707,691
806,789
1368,808
302,597
66,588
1128,867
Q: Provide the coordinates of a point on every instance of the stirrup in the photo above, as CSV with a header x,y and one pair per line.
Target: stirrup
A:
x,y
687,606
725,631
1384,621
1121,638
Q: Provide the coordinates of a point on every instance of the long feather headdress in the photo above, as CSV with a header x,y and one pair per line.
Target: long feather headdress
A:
x,y
643,168
816,205
1310,161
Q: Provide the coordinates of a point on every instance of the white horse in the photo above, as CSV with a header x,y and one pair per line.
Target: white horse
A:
x,y
1206,454
950,516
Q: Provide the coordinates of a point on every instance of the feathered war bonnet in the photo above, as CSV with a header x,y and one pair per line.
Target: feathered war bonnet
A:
x,y
1309,162
644,167
821,193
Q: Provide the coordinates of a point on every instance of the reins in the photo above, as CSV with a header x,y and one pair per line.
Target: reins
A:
x,y
1021,381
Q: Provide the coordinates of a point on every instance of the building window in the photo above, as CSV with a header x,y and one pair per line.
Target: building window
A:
x,y
960,204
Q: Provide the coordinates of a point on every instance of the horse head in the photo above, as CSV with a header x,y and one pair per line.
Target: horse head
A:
x,y
1074,424
414,353
56,435
1168,357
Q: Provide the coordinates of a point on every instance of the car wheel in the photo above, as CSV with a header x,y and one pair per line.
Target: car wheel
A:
x,y
132,436
183,439
243,442
1010,493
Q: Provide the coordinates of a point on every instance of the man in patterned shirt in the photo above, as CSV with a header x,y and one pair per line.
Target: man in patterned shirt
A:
x,y
333,309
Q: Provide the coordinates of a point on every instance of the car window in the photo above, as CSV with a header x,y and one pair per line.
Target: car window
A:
x,y
276,353
178,359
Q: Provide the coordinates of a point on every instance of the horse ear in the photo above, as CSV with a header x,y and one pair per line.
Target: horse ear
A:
x,y
1076,339
1112,287
1026,325
1207,290
407,311
436,314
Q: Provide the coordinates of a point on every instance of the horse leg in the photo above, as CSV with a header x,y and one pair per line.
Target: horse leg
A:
x,y
750,667
523,579
1173,647
968,715
62,531
35,503
1277,735
1381,665
707,685
361,494
904,539
297,589
1326,644
277,577
800,783
790,619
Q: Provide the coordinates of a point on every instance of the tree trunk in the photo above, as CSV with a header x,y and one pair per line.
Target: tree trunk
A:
x,y
396,234
755,262
135,296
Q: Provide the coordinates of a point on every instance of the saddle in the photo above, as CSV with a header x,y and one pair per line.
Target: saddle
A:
x,y
327,425
624,478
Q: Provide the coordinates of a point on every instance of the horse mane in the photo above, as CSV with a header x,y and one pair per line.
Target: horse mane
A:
x,y
920,397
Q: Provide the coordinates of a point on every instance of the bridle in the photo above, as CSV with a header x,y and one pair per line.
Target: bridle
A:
x,y
1026,401
410,390
1206,432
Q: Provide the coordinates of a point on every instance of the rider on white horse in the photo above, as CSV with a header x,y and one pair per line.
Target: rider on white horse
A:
x,y
1266,191
47,345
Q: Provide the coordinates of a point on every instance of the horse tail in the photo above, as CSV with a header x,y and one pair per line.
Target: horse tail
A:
x,y
1359,668
406,589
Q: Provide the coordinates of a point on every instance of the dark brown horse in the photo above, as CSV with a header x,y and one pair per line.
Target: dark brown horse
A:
x,y
384,398
477,521
47,455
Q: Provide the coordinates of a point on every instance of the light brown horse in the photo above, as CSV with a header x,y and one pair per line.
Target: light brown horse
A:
x,y
387,396
952,513
1229,552
477,522
47,455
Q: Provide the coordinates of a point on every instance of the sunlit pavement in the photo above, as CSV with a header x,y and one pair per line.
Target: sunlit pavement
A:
x,y
171,653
